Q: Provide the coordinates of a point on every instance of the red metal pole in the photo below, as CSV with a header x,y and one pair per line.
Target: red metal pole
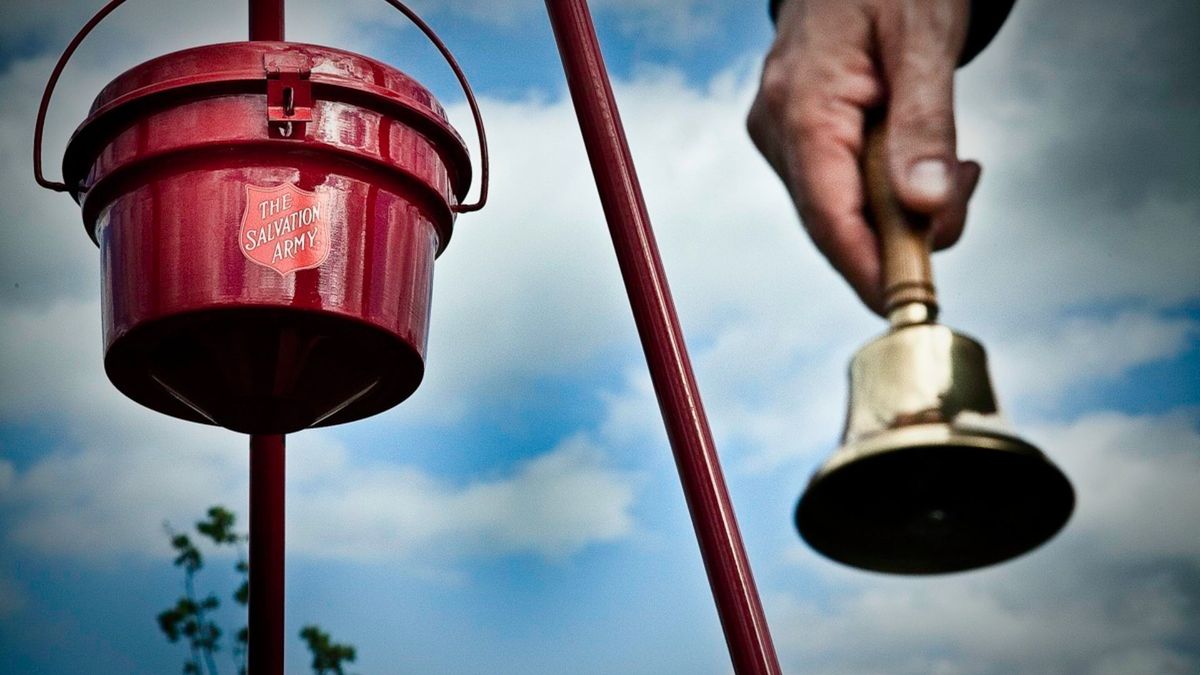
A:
x,y
729,575
265,646
264,649
266,19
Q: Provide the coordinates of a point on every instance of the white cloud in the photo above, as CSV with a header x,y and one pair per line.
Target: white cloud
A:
x,y
121,470
1087,191
1138,482
529,285
110,497
554,505
1047,365
972,628
116,470
1024,261
791,415
47,252
1142,660
109,500
52,362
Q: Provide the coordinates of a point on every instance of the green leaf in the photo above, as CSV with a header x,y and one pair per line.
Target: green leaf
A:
x,y
219,526
168,621
190,559
327,654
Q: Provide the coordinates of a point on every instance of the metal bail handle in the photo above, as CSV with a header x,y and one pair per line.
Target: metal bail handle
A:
x,y
39,126
466,87
54,75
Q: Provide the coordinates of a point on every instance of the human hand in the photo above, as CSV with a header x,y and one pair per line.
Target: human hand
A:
x,y
832,61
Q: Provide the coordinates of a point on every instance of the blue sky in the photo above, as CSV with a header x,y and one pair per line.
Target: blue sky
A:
x,y
521,513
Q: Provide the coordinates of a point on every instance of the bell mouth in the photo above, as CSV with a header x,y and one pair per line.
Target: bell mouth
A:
x,y
931,501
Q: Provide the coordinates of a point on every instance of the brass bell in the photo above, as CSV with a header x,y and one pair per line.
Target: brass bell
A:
x,y
928,478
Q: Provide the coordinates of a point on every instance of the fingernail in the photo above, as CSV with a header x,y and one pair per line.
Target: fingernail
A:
x,y
929,179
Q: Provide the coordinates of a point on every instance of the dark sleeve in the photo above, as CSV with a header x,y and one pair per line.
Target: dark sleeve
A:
x,y
986,18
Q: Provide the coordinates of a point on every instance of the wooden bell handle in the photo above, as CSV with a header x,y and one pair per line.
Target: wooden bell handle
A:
x,y
904,236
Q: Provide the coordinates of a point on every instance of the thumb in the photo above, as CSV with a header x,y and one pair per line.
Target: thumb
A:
x,y
919,49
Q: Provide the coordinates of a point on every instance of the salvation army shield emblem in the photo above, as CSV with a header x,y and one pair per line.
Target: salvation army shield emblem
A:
x,y
284,228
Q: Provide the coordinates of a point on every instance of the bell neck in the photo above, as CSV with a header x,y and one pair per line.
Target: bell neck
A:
x,y
912,313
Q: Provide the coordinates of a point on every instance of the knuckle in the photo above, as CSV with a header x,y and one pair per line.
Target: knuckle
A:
x,y
756,127
777,88
822,121
809,117
754,116
790,101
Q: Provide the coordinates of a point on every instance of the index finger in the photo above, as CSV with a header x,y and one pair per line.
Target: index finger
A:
x,y
829,193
